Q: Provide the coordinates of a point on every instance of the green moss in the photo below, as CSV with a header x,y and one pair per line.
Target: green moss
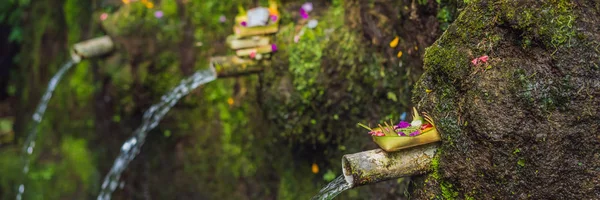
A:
x,y
288,191
448,191
74,17
305,63
435,165
78,161
81,82
447,60
467,197
169,8
550,21
10,170
132,19
446,188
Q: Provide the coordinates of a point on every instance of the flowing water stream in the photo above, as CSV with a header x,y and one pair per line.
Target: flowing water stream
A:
x,y
29,144
335,187
151,118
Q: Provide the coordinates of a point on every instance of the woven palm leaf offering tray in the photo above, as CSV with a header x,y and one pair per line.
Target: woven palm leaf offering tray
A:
x,y
404,135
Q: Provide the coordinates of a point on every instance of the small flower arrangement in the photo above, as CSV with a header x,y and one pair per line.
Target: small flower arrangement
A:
x,y
404,135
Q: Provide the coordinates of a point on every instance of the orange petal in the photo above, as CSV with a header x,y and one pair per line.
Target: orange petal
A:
x,y
394,42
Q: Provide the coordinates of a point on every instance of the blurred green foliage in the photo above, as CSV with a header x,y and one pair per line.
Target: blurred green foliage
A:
x,y
260,146
11,12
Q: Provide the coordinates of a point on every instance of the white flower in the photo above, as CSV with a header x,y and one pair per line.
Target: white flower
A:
x,y
416,123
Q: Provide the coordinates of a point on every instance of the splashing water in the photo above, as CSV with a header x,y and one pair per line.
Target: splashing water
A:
x,y
335,187
29,144
152,116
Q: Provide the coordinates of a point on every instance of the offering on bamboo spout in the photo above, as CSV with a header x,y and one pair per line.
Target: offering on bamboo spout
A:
x,y
391,138
253,31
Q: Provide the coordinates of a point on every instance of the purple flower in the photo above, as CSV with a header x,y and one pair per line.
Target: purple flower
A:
x,y
222,19
273,48
243,24
308,6
401,133
303,13
158,14
414,133
273,17
402,124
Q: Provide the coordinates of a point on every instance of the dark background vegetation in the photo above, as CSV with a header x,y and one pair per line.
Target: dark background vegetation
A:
x,y
302,110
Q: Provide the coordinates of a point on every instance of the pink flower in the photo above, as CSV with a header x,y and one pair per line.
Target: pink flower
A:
x,y
296,38
273,17
483,59
103,16
303,13
253,54
158,14
376,133
222,19
273,48
474,61
308,6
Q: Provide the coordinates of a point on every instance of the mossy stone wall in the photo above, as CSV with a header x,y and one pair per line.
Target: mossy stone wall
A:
x,y
525,124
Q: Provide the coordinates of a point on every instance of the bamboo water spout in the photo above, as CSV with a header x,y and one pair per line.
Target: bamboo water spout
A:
x,y
233,66
92,48
373,166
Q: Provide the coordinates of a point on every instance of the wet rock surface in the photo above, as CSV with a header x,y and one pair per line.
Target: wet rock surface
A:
x,y
524,124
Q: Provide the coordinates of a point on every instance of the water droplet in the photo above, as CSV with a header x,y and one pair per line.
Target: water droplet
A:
x,y
37,117
113,184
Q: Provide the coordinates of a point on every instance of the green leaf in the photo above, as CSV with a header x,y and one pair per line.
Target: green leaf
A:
x,y
329,176
5,125
392,96
16,35
521,162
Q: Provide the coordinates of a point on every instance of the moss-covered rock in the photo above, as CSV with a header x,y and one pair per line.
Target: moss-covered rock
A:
x,y
522,124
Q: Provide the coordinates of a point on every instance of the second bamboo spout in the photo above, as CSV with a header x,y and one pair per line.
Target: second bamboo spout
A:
x,y
92,48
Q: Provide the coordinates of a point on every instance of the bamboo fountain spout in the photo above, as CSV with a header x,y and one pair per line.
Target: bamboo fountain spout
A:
x,y
373,166
92,48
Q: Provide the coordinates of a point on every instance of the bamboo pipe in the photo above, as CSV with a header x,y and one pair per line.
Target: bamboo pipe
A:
x,y
233,66
92,48
248,43
258,50
373,166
